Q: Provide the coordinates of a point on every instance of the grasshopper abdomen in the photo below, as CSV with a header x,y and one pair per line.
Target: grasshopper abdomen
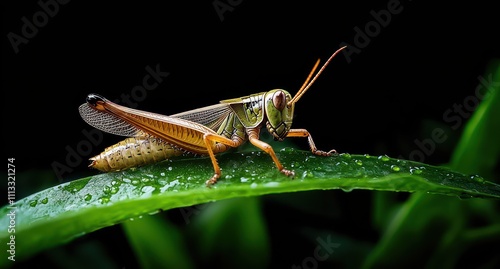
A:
x,y
133,152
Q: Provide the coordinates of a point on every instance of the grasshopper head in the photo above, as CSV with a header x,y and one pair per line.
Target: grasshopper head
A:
x,y
279,113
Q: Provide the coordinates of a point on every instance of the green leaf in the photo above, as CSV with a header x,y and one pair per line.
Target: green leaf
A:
x,y
157,243
235,226
449,221
64,212
478,150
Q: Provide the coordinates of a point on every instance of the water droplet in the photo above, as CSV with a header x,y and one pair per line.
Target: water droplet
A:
x,y
33,203
243,179
415,171
383,158
347,189
367,156
307,174
395,168
106,189
345,155
272,184
148,189
135,182
87,197
358,162
144,180
310,158
45,200
478,178
104,200
154,212
114,190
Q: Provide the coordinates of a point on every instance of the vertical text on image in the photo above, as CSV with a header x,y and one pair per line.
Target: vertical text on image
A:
x,y
11,216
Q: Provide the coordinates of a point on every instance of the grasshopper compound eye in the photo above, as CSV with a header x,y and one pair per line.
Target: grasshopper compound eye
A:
x,y
279,100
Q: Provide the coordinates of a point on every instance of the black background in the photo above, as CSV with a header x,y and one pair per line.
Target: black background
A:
x,y
425,60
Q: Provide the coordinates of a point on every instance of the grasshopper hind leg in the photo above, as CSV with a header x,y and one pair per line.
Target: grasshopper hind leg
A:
x,y
221,144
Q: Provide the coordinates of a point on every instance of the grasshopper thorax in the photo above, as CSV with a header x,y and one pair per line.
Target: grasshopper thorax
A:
x,y
279,113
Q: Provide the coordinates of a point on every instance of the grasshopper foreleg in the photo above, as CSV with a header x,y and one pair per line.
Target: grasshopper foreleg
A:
x,y
253,137
305,133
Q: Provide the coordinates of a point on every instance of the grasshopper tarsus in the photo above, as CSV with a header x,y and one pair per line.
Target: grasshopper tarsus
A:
x,y
288,173
213,180
324,153
332,152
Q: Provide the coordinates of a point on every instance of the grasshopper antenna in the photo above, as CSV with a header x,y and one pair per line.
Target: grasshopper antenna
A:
x,y
307,84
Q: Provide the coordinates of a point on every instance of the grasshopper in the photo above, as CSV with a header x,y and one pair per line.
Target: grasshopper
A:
x,y
204,131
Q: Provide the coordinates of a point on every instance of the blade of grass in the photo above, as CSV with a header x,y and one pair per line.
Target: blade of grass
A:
x,y
157,243
477,153
478,150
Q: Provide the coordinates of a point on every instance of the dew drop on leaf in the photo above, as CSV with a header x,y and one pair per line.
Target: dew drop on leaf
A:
x,y
104,200
347,189
345,155
383,158
154,212
106,189
113,190
477,178
415,171
395,168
